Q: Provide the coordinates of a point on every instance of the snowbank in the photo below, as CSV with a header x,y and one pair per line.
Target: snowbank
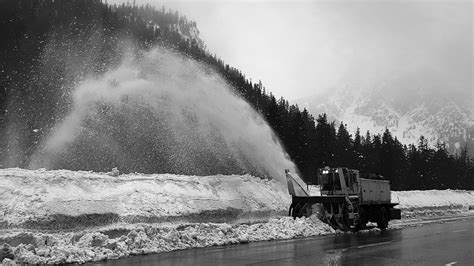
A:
x,y
40,199
125,240
433,202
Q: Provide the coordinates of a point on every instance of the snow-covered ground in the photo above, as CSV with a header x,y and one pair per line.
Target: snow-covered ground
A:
x,y
74,216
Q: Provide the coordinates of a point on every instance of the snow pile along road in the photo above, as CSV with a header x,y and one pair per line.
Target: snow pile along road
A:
x,y
121,241
39,199
433,202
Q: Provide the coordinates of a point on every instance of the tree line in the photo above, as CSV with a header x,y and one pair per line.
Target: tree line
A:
x,y
48,46
408,167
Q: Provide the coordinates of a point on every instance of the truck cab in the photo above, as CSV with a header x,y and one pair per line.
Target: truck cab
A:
x,y
338,181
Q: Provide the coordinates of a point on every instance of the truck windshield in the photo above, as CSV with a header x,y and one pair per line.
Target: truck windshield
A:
x,y
330,182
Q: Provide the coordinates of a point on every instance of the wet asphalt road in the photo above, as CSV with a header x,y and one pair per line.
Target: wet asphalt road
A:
x,y
433,244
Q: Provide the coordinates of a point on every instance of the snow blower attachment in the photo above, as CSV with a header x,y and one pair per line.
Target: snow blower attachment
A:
x,y
347,202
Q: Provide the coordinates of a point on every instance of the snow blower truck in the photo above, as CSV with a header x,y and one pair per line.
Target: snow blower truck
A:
x,y
346,201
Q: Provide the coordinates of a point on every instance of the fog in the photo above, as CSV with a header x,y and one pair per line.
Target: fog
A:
x,y
302,48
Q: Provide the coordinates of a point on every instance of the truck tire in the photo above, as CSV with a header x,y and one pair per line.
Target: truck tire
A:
x,y
362,218
382,222
306,210
290,210
296,210
346,225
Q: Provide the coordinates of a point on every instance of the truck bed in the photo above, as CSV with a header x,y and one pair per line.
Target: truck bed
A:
x,y
373,191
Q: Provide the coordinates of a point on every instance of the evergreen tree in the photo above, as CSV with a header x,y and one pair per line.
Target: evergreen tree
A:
x,y
325,142
343,148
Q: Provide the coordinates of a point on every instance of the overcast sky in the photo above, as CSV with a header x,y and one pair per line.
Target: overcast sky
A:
x,y
301,48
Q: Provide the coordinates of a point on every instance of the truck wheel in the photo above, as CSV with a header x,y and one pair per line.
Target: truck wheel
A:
x,y
296,210
382,222
355,229
362,219
346,223
333,223
305,210
290,210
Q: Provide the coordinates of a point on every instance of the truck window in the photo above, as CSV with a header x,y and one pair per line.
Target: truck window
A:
x,y
346,177
353,177
337,182
330,183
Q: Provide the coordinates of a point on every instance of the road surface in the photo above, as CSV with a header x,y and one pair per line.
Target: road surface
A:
x,y
434,244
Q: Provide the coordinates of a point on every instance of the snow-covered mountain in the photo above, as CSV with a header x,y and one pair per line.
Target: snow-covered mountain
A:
x,y
189,31
443,118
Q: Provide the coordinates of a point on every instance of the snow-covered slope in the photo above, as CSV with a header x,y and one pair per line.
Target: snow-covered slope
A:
x,y
189,31
436,117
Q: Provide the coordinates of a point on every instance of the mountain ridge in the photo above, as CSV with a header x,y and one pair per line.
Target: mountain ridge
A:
x,y
438,119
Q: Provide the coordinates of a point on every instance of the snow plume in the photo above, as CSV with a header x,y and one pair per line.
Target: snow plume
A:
x,y
161,112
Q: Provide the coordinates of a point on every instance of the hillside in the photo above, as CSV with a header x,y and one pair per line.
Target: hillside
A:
x,y
55,51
